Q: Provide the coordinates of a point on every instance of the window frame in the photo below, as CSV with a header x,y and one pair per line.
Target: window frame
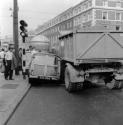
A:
x,y
106,15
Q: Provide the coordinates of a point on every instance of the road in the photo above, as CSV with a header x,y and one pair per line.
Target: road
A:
x,y
53,105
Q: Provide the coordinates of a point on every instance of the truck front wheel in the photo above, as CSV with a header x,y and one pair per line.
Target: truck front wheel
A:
x,y
68,85
30,81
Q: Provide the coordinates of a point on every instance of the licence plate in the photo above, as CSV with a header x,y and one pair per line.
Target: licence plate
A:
x,y
43,77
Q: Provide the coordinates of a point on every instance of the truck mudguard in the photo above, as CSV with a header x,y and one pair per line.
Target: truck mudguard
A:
x,y
75,76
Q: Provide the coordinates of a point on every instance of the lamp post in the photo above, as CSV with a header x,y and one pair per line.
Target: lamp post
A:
x,y
15,31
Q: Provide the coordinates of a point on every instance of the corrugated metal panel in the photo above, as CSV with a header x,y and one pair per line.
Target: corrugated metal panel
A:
x,y
106,46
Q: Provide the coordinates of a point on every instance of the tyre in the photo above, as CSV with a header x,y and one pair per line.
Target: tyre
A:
x,y
68,85
30,81
119,84
115,84
79,86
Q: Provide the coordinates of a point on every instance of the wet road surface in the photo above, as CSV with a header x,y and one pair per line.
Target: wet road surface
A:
x,y
53,105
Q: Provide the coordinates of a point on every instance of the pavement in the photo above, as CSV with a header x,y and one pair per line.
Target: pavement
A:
x,y
11,94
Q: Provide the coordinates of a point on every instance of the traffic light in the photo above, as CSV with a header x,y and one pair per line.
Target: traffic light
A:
x,y
23,29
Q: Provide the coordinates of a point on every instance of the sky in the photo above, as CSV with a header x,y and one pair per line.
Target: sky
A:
x,y
34,12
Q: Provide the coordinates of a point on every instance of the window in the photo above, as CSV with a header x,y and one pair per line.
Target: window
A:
x,y
111,4
86,5
75,11
84,18
98,2
82,7
70,24
71,14
63,27
98,14
104,15
75,22
79,20
117,28
118,4
89,4
118,16
105,3
111,15
79,9
89,16
68,15
58,28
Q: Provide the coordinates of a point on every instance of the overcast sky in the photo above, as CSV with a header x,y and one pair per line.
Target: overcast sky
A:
x,y
34,12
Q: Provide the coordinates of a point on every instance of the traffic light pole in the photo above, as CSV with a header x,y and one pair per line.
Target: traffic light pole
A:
x,y
24,59
24,34
15,31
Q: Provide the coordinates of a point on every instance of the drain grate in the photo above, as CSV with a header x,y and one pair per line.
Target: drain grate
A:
x,y
9,86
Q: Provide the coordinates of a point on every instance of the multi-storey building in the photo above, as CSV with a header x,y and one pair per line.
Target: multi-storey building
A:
x,y
87,13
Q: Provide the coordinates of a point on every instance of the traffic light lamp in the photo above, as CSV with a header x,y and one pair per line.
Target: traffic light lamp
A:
x,y
23,29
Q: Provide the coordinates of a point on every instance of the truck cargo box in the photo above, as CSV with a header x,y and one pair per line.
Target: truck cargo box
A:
x,y
87,46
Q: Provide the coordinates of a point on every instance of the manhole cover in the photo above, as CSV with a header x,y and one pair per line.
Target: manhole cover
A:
x,y
9,86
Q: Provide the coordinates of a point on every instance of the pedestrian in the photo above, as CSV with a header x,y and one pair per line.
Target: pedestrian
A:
x,y
2,61
33,51
14,65
10,63
20,59
5,63
2,53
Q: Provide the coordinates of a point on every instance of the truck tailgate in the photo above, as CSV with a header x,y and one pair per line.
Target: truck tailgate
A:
x,y
99,45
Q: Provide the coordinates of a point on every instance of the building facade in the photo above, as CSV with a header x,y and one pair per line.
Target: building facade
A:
x,y
87,13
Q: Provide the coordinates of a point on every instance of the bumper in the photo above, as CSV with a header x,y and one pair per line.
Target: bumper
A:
x,y
44,77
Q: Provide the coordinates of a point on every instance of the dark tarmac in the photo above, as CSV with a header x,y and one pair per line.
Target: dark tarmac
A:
x,y
53,105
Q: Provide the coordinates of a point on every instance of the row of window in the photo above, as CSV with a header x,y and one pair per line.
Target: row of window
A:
x,y
109,3
68,14
65,26
109,15
85,17
105,15
81,8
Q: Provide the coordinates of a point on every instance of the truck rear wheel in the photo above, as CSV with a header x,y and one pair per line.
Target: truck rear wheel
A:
x,y
115,84
119,84
79,86
68,85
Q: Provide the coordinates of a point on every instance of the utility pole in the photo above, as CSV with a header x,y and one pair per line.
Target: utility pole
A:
x,y
15,30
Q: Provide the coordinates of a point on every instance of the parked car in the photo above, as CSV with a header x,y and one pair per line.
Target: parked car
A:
x,y
44,66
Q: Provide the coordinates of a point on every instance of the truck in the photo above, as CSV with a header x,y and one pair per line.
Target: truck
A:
x,y
91,56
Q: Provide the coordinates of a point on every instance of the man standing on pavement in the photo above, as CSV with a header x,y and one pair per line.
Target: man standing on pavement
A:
x,y
2,56
10,64
20,59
